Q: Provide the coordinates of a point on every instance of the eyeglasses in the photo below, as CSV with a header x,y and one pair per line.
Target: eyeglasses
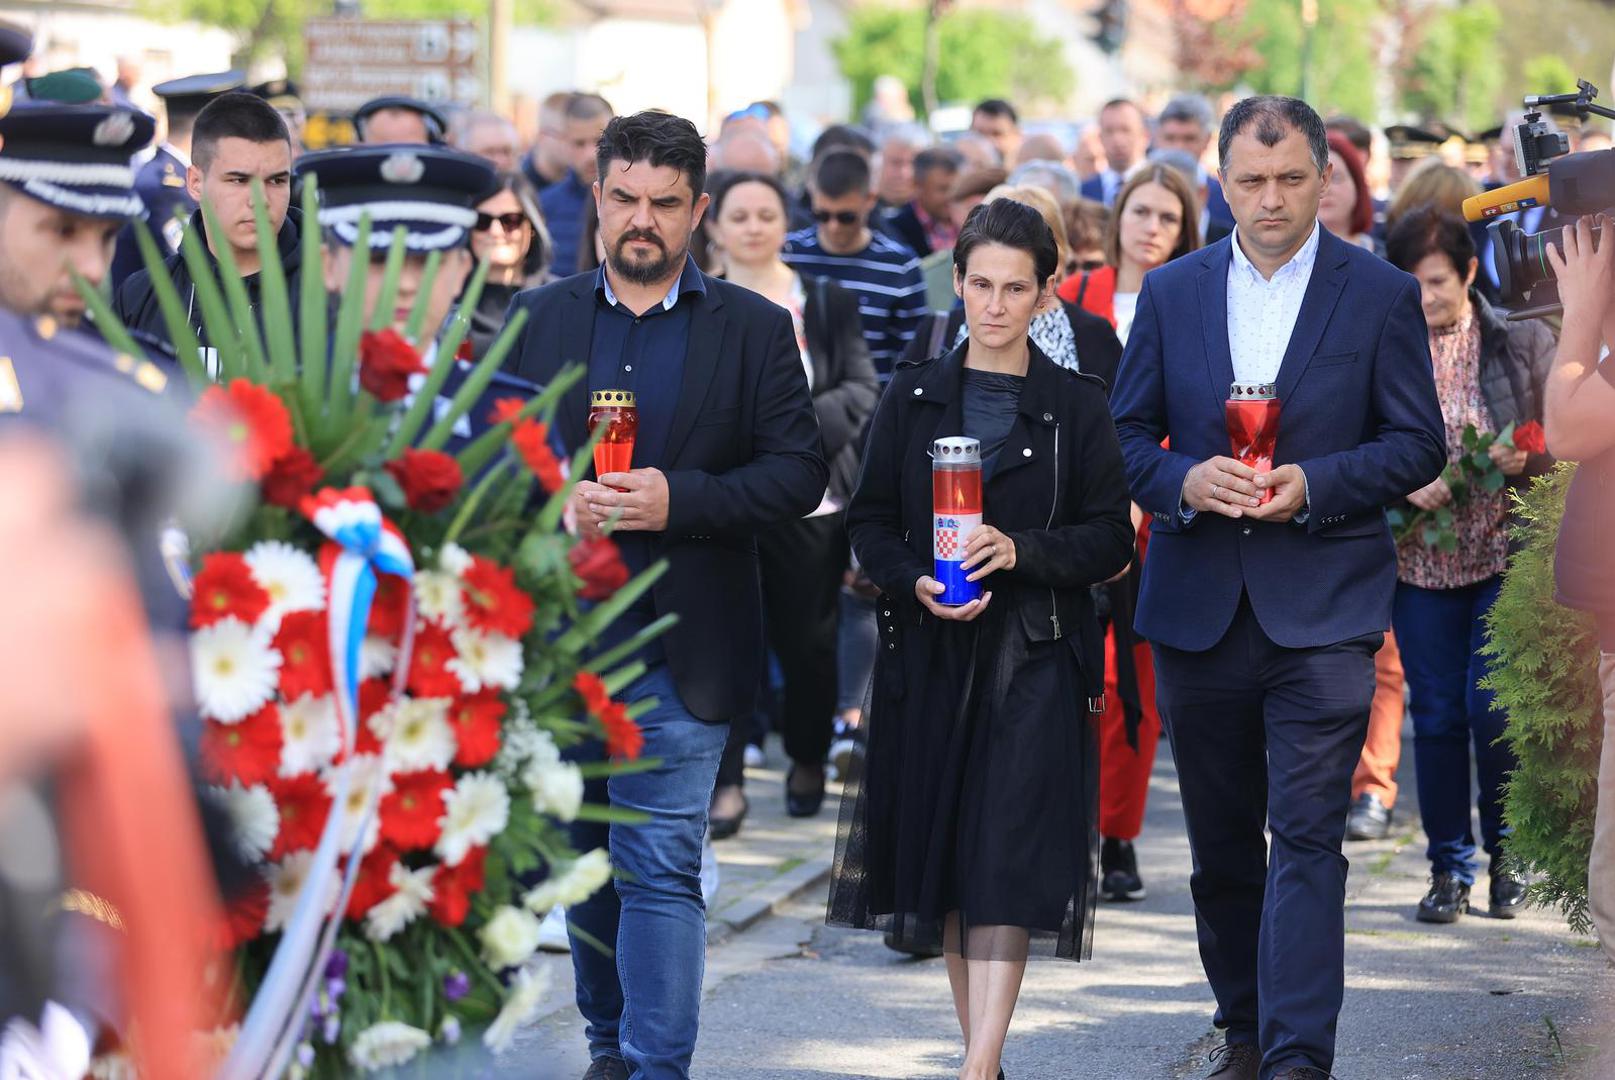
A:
x,y
509,222
841,217
1089,265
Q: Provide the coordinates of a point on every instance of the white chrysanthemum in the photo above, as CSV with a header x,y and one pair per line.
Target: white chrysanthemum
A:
x,y
412,892
509,938
377,658
526,990
557,789
369,782
290,577
585,877
439,596
419,734
474,813
254,818
235,670
310,734
286,881
454,559
387,1044
486,660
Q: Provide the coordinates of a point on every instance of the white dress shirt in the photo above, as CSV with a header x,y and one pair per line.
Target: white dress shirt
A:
x,y
1262,311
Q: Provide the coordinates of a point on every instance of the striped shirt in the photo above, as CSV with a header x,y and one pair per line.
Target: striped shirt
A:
x,y
886,278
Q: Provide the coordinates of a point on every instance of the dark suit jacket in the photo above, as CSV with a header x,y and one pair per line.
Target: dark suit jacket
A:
x,y
742,456
845,386
905,225
1094,188
1098,348
1360,416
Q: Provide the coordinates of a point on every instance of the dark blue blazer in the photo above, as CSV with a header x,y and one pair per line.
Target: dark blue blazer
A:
x,y
1360,416
1094,188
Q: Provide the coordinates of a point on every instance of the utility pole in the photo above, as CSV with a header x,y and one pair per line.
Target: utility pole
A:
x,y
501,23
1309,22
934,11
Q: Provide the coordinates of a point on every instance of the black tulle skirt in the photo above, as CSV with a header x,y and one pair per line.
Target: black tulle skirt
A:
x,y
977,795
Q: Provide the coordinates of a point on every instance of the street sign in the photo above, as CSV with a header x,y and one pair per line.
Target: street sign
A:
x,y
351,61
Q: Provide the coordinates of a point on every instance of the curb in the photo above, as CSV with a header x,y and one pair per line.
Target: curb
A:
x,y
766,900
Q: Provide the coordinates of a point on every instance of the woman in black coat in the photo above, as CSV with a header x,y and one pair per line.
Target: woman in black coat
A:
x,y
973,821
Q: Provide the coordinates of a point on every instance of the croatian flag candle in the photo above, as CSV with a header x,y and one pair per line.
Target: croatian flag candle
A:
x,y
956,512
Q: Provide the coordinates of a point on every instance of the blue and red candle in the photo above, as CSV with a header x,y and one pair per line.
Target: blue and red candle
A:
x,y
956,513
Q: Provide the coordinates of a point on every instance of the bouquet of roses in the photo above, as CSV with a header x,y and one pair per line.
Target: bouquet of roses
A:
x,y
1474,468
390,652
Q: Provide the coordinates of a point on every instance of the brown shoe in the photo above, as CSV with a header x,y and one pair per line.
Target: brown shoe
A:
x,y
1235,1061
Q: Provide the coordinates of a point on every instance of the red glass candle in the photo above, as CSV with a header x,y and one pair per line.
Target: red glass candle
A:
x,y
615,450
1253,427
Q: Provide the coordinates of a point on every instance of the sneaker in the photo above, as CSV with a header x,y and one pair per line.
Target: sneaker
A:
x,y
1370,818
1507,892
552,932
1447,900
755,758
1118,863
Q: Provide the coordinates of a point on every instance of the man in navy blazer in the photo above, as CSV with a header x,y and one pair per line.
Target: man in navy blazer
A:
x,y
1265,617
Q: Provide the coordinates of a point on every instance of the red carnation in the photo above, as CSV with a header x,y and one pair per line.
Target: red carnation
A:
x,y
623,737
304,645
374,881
495,604
243,918
248,752
598,564
593,691
429,674
388,609
410,814
532,441
292,477
1531,438
386,361
304,805
505,409
251,421
453,887
430,479
476,721
226,587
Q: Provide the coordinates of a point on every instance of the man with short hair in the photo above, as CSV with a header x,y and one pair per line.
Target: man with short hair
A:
x,y
996,121
489,136
239,141
745,151
1186,124
394,118
1125,135
841,246
898,146
727,446
926,223
549,159
564,203
1266,595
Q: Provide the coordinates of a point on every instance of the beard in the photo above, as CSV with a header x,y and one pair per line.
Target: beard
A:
x,y
649,271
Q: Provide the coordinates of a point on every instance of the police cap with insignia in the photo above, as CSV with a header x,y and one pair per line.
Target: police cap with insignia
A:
x,y
75,157
186,97
1410,143
432,191
436,124
280,93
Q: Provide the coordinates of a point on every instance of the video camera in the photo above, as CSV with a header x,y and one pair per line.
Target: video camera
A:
x,y
1573,184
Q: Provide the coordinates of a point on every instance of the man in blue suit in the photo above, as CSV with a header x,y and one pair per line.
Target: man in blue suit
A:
x,y
1265,617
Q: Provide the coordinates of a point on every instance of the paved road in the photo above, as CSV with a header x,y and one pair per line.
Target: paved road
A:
x,y
789,999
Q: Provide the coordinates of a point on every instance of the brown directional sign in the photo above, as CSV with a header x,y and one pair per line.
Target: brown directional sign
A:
x,y
351,61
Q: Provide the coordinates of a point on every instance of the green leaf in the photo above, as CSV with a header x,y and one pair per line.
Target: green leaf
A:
x,y
611,815
311,314
423,298
1493,481
235,292
216,320
599,770
598,618
404,434
277,306
180,331
381,316
1481,462
490,442
105,321
1471,438
477,382
349,325
1431,535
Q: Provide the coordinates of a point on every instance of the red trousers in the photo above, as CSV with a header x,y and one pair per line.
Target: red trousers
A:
x,y
1124,773
1382,752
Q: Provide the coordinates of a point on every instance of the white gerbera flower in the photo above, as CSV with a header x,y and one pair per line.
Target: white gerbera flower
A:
x,y
486,660
235,670
387,1044
585,877
509,938
369,782
438,596
404,906
287,880
557,788
526,990
454,559
290,577
419,734
310,734
474,813
254,818
377,658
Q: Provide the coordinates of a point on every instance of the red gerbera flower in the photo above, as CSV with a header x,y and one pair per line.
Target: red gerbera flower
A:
x,y
476,722
390,606
532,441
429,674
410,814
374,881
250,420
623,737
292,477
1531,438
243,918
304,805
226,587
505,410
494,602
599,566
248,751
453,887
592,689
430,479
386,361
304,645
374,695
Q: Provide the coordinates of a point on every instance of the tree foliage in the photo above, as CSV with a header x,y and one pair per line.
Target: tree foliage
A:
x,y
1451,64
982,54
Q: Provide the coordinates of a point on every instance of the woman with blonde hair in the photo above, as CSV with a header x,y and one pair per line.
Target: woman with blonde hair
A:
x,y
1432,183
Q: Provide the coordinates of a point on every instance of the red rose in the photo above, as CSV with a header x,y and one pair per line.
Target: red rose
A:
x,y
495,604
304,645
453,887
410,814
386,361
430,479
226,587
248,752
429,675
476,720
292,477
598,564
250,421
1531,438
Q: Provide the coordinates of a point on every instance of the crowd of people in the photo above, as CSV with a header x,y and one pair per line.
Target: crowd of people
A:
x,y
799,332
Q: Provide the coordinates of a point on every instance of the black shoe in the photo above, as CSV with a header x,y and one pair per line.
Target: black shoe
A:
x,y
1118,862
1447,899
924,952
1236,1061
722,828
1507,891
803,803
607,1068
1302,1072
1370,819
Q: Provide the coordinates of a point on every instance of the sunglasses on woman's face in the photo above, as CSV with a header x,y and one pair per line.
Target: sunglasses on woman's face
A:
x,y
1089,265
509,222
841,217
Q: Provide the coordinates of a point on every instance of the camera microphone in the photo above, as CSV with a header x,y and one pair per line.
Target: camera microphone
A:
x,y
1573,185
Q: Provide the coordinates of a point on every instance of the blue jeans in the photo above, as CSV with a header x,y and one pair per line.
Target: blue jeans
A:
x,y
1440,632
643,1005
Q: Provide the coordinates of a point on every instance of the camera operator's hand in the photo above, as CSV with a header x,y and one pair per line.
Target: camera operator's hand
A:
x,y
1586,277
1577,401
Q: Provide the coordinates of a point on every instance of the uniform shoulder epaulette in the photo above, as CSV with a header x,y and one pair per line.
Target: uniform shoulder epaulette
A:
x,y
92,353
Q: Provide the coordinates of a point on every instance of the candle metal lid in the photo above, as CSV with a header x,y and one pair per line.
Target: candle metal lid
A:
x,y
1252,392
956,450
611,399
